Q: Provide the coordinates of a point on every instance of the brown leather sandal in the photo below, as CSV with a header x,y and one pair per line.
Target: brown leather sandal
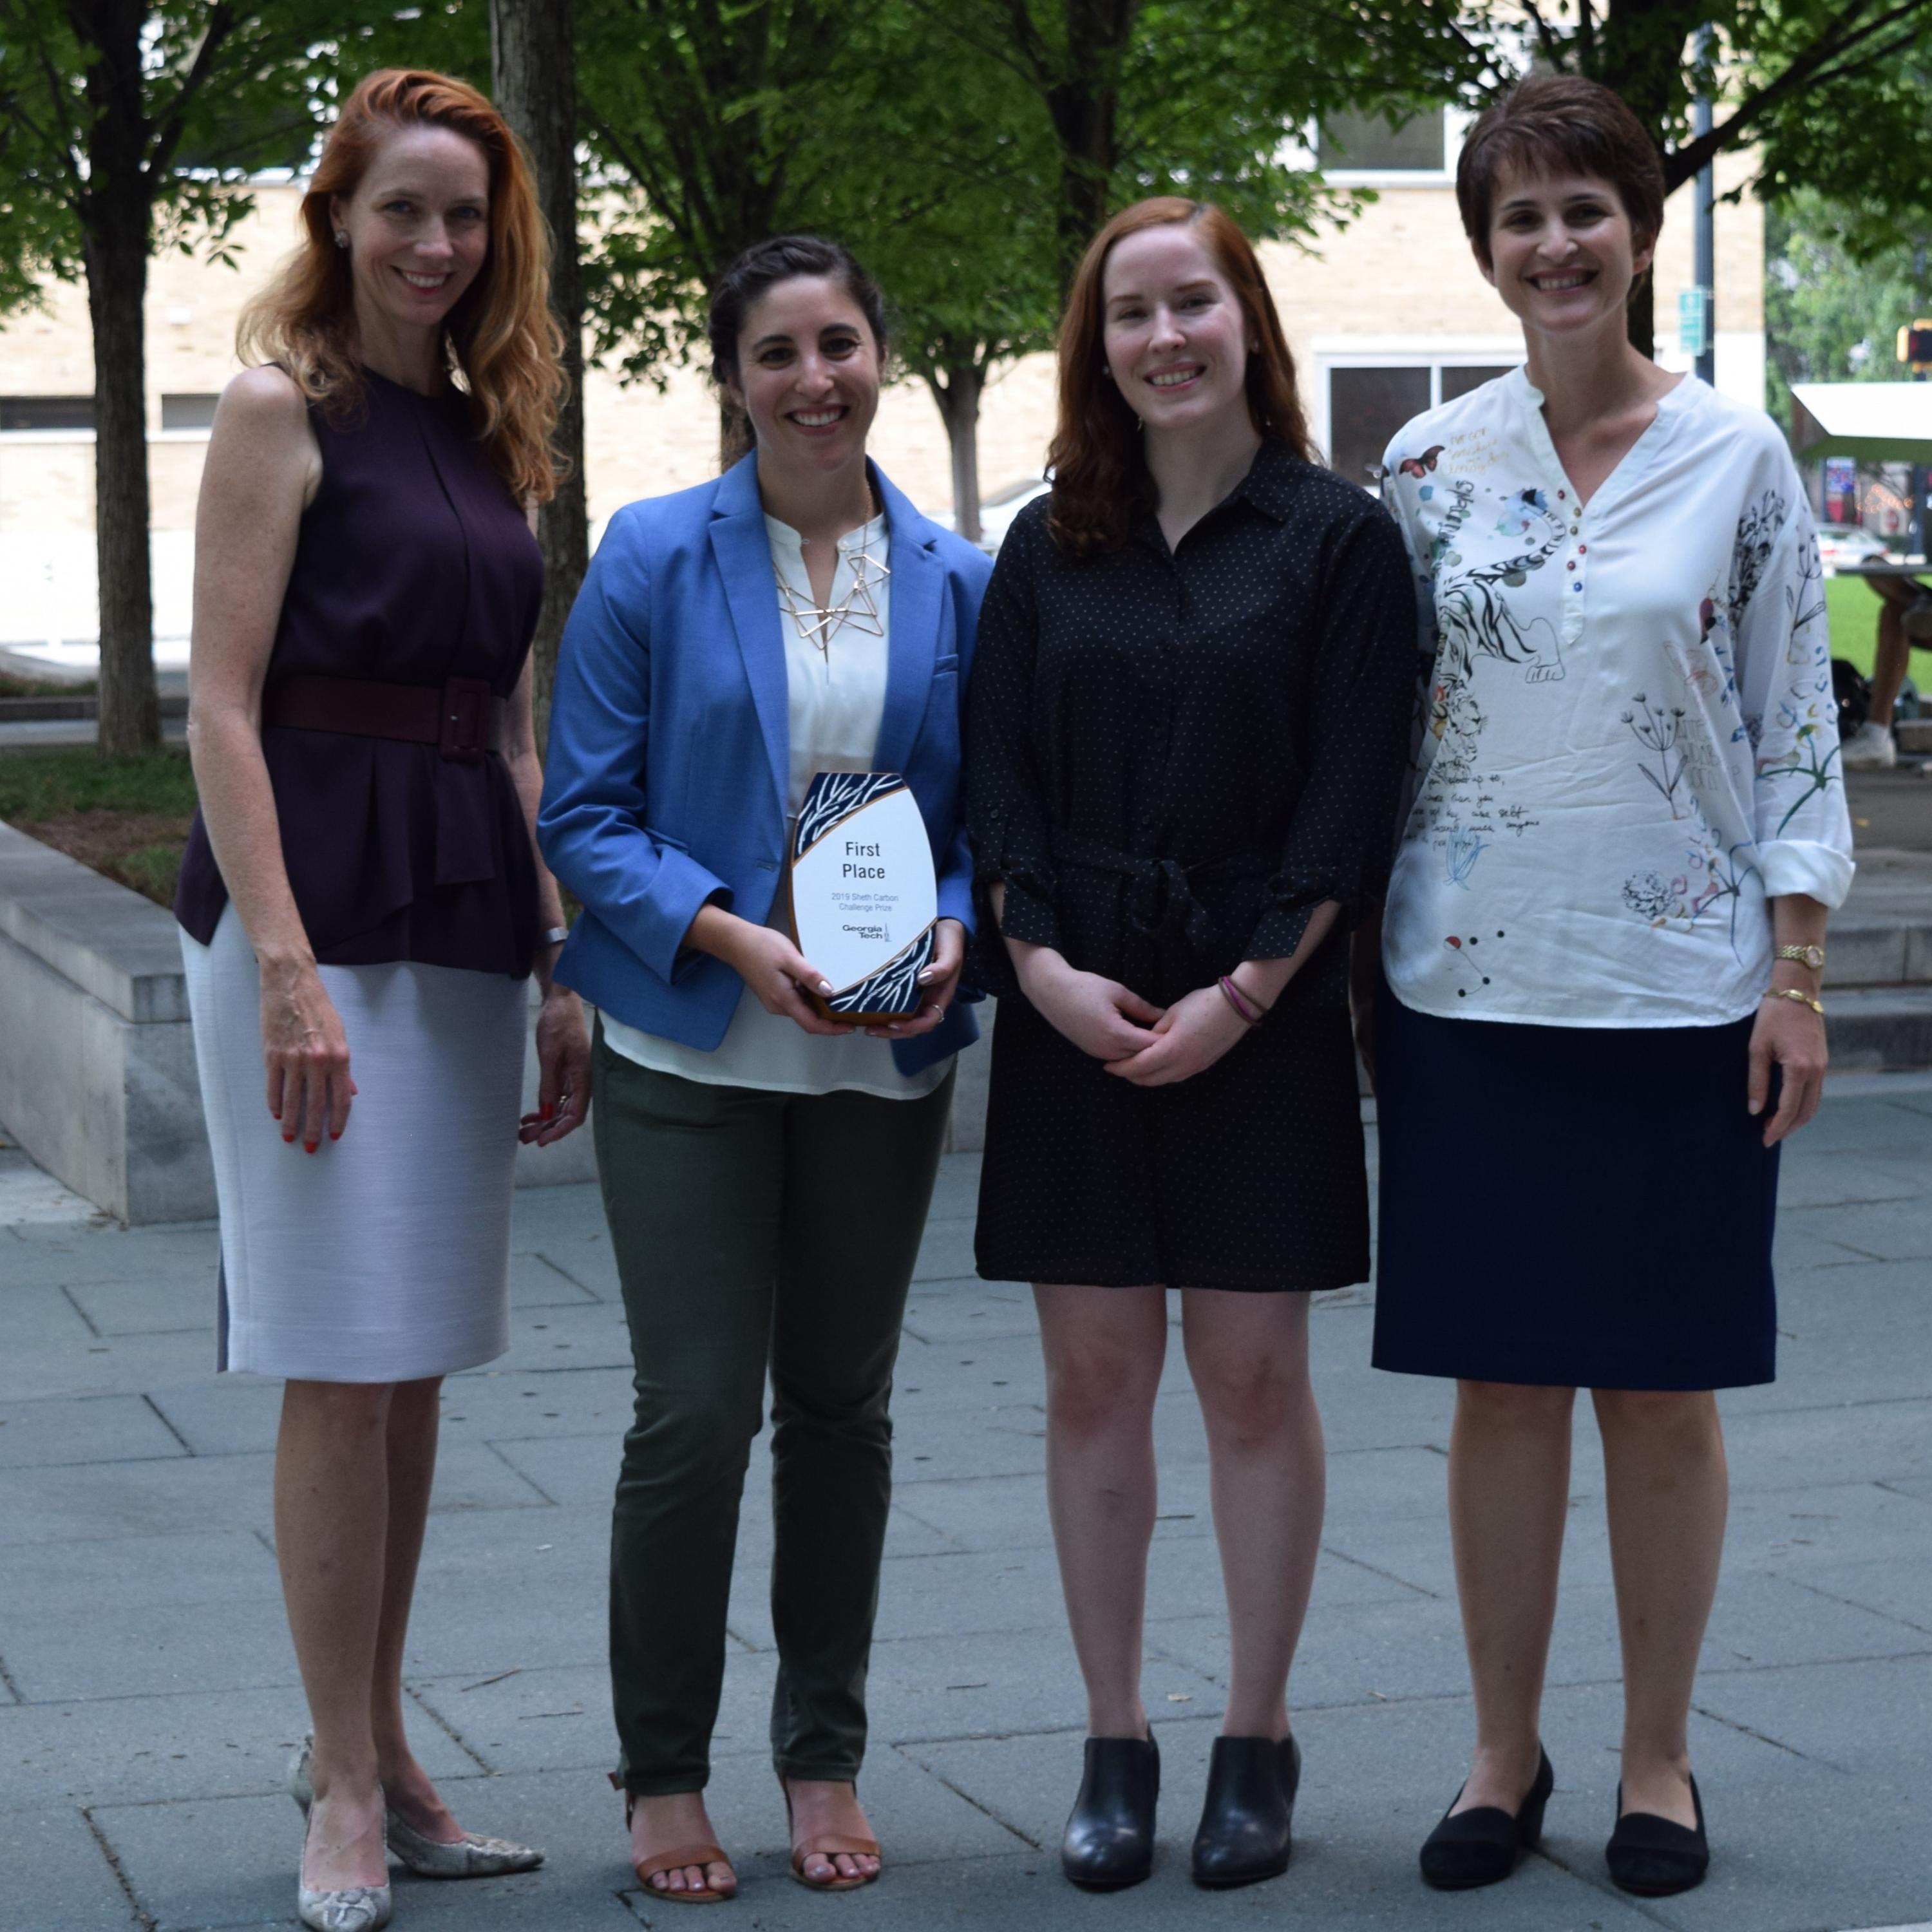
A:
x,y
700,1855
830,1845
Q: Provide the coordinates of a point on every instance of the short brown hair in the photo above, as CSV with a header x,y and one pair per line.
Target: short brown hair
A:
x,y
1554,121
1100,478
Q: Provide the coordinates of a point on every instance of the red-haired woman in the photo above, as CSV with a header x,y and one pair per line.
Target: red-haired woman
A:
x,y
362,901
1185,733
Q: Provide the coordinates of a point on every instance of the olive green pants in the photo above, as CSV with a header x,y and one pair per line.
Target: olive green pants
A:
x,y
754,1232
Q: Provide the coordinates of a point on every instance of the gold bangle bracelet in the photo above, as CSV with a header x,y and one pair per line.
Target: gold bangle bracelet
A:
x,y
1803,999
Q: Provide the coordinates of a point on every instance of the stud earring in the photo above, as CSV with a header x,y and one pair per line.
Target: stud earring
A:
x,y
342,238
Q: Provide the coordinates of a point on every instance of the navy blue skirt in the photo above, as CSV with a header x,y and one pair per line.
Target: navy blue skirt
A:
x,y
1582,1208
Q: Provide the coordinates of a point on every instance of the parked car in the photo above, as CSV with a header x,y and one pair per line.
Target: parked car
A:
x,y
1841,544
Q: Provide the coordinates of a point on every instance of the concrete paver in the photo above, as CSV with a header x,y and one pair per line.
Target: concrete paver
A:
x,y
148,1696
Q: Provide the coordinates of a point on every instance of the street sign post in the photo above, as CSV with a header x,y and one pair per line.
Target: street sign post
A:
x,y
1693,321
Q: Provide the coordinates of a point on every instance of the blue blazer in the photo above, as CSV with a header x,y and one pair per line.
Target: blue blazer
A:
x,y
668,773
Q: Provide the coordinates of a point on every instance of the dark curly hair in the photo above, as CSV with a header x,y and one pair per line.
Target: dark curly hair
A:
x,y
758,270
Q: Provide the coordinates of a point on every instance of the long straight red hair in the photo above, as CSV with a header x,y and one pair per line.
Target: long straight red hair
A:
x,y
501,335
1100,478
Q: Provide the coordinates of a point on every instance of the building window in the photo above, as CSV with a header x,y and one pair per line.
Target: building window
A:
x,y
1368,404
45,412
1362,143
189,411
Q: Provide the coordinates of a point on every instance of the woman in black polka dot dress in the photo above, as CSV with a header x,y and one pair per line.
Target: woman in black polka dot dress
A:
x,y
1186,726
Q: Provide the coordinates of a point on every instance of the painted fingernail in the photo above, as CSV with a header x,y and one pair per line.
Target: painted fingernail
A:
x,y
548,1111
309,1146
335,1135
825,985
288,1140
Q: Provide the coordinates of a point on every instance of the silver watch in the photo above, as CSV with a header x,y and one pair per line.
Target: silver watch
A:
x,y
555,936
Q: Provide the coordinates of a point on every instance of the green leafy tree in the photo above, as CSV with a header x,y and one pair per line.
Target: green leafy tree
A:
x,y
1832,315
705,120
940,193
128,127
968,149
1208,97
1818,87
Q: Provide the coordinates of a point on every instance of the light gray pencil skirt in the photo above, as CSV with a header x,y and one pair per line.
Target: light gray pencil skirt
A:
x,y
384,1256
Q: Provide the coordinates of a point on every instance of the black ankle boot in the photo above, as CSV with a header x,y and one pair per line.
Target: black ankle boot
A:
x,y
1109,1841
1482,1846
1244,1835
1655,1857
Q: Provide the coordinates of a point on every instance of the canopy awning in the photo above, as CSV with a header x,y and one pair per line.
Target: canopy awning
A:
x,y
1875,422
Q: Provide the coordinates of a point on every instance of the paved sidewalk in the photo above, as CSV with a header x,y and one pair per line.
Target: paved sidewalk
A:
x,y
148,1698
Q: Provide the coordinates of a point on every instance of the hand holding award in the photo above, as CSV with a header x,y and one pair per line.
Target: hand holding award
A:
x,y
865,901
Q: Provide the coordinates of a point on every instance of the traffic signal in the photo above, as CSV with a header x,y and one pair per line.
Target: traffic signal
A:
x,y
1915,344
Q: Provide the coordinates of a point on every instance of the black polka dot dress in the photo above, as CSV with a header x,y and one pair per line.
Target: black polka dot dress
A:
x,y
1173,758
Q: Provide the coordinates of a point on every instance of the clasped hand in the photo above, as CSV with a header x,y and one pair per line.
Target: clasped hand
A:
x,y
1137,1041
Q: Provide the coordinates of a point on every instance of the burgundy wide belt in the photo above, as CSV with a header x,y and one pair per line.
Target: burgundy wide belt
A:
x,y
463,718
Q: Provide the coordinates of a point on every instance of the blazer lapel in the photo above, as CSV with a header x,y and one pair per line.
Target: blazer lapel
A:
x,y
743,552
917,603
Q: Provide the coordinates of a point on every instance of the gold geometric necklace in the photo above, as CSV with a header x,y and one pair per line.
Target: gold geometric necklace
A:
x,y
818,624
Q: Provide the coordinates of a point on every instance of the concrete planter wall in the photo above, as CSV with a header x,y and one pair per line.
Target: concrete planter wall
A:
x,y
98,1079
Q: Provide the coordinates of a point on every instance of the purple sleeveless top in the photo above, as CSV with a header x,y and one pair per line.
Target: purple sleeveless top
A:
x,y
413,565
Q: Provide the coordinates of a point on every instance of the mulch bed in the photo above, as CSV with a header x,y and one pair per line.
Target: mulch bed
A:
x,y
142,850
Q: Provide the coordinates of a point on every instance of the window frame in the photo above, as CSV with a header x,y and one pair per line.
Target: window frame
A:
x,y
1455,124
71,432
1436,353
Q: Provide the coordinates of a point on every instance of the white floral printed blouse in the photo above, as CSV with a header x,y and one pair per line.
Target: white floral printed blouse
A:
x,y
1627,740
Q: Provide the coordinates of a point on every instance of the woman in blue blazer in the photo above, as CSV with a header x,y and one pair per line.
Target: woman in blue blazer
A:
x,y
766,1171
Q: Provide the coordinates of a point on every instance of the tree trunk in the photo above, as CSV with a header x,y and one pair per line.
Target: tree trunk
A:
x,y
533,73
957,389
1082,102
1641,321
114,215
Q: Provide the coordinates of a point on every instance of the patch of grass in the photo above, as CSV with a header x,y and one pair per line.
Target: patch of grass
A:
x,y
1853,606
152,871
44,687
38,785
127,818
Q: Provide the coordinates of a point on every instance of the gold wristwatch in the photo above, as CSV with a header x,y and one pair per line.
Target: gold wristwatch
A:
x,y
1812,956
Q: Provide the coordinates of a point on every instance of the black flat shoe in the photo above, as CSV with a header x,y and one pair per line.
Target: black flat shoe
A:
x,y
1483,1845
1109,1841
1244,1835
1653,1856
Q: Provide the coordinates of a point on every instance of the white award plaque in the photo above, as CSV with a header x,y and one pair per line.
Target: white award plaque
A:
x,y
864,904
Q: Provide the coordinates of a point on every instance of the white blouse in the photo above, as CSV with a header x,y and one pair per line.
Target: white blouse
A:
x,y
1627,740
836,699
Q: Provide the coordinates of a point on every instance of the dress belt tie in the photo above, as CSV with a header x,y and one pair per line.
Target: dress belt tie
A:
x,y
462,716
1164,906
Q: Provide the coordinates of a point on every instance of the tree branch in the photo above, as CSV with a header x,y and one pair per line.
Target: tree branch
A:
x,y
1037,54
168,125
1844,34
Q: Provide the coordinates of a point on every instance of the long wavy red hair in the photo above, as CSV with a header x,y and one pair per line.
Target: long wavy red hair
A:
x,y
1100,478
503,340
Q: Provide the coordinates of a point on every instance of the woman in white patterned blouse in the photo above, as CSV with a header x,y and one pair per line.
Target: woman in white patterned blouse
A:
x,y
1599,1014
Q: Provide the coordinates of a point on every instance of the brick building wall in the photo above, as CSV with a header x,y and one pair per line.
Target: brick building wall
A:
x,y
1382,310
